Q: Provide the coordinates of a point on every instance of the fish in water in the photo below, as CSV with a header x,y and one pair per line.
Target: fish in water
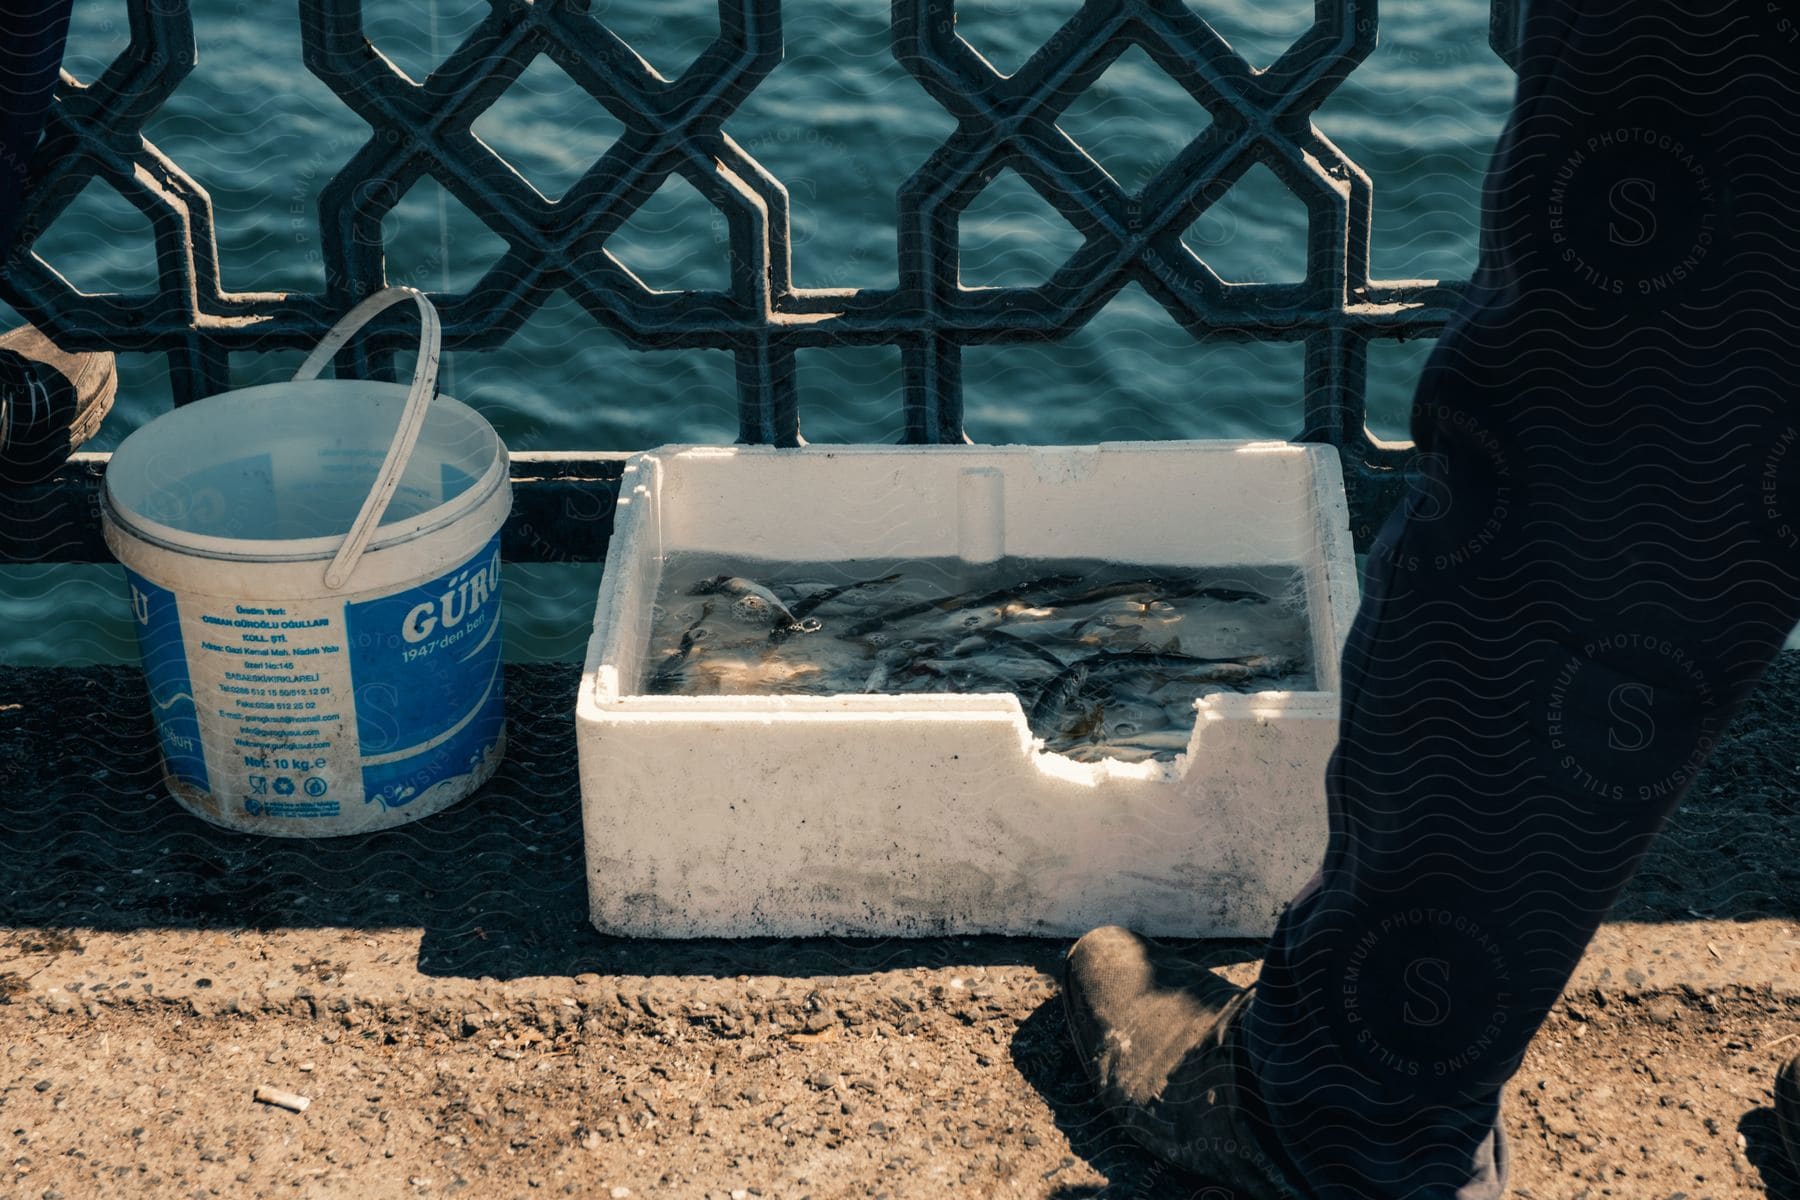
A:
x,y
752,600
803,608
1091,727
1163,589
1059,693
1108,661
1164,739
670,670
1062,689
800,612
991,599
999,637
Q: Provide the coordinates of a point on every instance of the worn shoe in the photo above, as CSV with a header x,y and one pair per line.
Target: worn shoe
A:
x,y
1787,1109
51,401
1164,1049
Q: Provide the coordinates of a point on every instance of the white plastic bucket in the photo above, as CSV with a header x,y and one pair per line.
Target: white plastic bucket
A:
x,y
308,681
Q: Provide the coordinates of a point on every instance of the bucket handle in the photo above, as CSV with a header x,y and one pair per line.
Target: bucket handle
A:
x,y
412,418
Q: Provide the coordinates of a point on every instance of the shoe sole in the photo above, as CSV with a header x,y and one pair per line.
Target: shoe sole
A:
x,y
94,379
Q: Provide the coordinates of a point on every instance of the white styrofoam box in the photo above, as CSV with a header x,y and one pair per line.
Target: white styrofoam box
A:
x,y
930,814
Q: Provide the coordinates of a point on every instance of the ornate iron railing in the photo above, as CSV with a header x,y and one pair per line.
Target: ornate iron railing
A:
x,y
676,127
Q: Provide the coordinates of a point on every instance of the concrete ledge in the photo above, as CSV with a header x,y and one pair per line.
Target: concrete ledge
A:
x,y
354,976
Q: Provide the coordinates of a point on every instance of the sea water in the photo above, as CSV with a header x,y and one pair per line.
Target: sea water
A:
x,y
843,125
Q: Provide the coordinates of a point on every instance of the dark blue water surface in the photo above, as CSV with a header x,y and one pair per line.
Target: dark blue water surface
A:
x,y
842,126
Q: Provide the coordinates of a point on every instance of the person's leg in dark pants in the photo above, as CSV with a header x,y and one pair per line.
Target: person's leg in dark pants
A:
x,y
51,400
1594,566
32,33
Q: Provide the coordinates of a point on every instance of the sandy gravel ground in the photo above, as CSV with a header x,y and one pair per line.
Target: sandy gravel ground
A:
x,y
909,1083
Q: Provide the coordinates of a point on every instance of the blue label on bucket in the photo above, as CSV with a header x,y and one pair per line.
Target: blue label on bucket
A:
x,y
165,661
425,665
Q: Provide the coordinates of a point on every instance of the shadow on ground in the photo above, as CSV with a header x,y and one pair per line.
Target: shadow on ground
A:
x,y
497,882
1762,1146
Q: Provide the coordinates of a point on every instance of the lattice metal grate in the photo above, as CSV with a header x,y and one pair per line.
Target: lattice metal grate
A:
x,y
676,128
